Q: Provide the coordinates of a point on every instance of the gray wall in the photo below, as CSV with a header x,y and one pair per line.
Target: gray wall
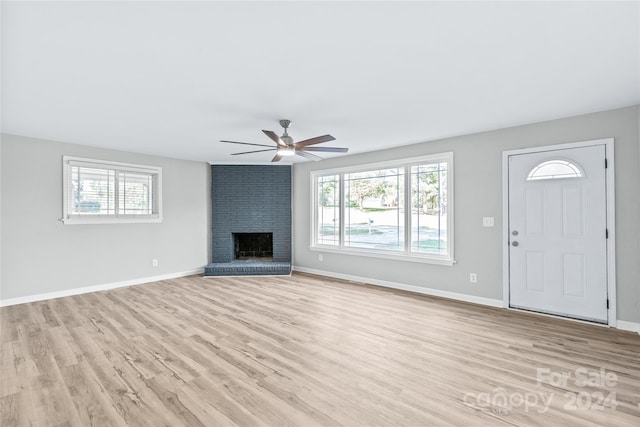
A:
x,y
477,164
250,199
40,254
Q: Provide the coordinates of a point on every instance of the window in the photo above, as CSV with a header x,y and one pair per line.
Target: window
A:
x,y
429,208
400,209
374,213
328,231
97,191
555,169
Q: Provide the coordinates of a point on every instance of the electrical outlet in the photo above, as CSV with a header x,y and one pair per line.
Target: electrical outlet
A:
x,y
487,221
154,262
320,257
473,277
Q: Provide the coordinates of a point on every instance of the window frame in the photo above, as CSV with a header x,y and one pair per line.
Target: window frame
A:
x,y
69,218
407,254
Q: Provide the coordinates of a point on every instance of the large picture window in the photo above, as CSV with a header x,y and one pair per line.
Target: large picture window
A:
x,y
98,191
393,209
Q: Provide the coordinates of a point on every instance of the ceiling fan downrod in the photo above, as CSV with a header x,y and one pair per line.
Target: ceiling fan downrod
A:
x,y
285,136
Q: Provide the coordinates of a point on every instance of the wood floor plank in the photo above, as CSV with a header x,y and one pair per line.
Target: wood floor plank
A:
x,y
52,400
9,412
93,406
302,351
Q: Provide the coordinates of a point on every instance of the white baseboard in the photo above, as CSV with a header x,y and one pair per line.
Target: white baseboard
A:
x,y
96,288
621,324
629,326
402,286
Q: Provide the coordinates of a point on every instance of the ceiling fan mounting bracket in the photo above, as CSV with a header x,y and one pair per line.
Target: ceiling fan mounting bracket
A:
x,y
285,124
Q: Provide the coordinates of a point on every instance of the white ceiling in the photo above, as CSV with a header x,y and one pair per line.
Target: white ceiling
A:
x,y
173,78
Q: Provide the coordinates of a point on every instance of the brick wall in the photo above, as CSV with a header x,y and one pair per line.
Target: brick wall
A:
x,y
250,199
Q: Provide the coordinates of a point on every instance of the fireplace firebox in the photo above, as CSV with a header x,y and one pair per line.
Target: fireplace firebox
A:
x,y
253,246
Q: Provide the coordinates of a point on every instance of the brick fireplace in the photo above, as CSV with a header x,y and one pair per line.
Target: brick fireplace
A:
x,y
250,199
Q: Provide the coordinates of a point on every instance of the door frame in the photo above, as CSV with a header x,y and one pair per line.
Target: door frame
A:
x,y
611,211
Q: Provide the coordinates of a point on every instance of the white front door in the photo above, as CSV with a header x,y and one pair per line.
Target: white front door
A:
x,y
557,231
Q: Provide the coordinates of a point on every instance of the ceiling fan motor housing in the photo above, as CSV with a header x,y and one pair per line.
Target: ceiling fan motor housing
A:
x,y
287,140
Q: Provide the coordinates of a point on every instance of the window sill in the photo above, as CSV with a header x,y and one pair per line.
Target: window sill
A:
x,y
110,220
386,255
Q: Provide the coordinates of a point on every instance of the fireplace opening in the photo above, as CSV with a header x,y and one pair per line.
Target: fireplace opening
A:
x,y
253,246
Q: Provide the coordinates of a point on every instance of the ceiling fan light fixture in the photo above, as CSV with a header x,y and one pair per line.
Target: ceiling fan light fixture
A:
x,y
289,151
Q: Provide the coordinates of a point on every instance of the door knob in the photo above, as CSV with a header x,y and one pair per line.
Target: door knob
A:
x,y
515,243
514,232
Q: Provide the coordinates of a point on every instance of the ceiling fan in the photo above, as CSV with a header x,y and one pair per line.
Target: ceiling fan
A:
x,y
286,147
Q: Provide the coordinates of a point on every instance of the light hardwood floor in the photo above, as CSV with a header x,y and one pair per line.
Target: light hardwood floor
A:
x,y
302,350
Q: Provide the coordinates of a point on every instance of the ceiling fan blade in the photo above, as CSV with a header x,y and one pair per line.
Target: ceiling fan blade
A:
x,y
257,151
316,140
274,137
276,158
325,149
245,143
308,155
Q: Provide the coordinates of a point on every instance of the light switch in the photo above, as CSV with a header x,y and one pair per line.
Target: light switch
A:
x,y
487,221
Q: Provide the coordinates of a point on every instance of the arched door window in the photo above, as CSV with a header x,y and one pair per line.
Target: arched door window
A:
x,y
555,169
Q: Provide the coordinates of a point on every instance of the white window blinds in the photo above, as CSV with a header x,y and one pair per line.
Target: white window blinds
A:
x,y
99,191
